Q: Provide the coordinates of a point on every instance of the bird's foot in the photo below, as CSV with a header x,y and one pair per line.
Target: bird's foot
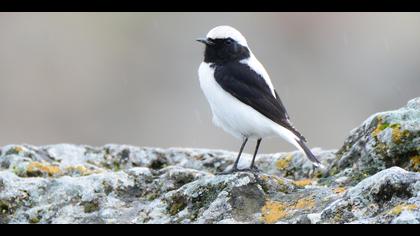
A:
x,y
228,172
253,169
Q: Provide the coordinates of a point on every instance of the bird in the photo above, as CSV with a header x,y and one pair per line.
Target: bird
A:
x,y
242,98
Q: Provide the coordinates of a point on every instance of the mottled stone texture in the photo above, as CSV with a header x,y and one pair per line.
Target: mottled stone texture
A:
x,y
373,178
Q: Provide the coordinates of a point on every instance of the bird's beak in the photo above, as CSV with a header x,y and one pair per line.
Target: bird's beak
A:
x,y
205,41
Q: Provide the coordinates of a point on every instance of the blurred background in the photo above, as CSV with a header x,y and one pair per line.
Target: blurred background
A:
x,y
131,78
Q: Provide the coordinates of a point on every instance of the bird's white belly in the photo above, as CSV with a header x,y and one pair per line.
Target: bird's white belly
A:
x,y
231,114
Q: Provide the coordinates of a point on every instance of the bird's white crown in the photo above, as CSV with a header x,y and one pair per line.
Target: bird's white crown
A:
x,y
224,31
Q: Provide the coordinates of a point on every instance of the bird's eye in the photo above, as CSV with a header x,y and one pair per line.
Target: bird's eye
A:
x,y
228,41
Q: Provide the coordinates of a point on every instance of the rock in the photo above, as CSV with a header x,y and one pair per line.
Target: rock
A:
x,y
314,218
384,140
407,217
378,199
361,183
295,165
125,184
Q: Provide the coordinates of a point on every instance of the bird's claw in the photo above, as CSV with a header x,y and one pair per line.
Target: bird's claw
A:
x,y
253,169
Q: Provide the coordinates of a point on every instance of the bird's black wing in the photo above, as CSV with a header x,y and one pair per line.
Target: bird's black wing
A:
x,y
249,87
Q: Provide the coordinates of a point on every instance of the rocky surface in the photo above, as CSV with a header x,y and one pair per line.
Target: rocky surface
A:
x,y
384,140
373,178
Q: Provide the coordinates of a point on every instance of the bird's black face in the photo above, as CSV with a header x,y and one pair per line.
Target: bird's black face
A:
x,y
224,50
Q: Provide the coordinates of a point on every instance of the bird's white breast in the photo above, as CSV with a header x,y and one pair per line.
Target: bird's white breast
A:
x,y
231,114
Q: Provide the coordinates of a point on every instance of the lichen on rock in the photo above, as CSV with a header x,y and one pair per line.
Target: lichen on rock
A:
x,y
373,178
384,140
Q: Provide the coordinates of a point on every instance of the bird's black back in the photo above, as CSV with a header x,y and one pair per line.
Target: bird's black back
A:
x,y
249,87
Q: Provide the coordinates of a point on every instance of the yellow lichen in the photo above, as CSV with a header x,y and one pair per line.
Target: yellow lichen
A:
x,y
380,126
304,203
397,134
265,178
18,149
81,170
303,182
15,150
273,211
281,185
283,163
35,167
403,207
280,181
339,190
415,163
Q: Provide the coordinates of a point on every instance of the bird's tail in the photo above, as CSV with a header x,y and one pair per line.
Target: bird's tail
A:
x,y
308,152
299,143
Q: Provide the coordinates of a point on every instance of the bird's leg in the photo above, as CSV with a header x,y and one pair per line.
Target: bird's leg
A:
x,y
235,166
253,167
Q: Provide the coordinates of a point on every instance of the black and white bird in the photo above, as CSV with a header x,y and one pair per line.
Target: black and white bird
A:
x,y
241,95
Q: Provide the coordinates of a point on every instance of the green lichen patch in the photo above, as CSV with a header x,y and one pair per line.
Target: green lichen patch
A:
x,y
4,207
34,220
381,126
90,206
271,183
177,203
397,210
15,151
79,170
8,206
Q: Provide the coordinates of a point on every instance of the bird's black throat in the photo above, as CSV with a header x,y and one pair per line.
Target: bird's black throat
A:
x,y
223,51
